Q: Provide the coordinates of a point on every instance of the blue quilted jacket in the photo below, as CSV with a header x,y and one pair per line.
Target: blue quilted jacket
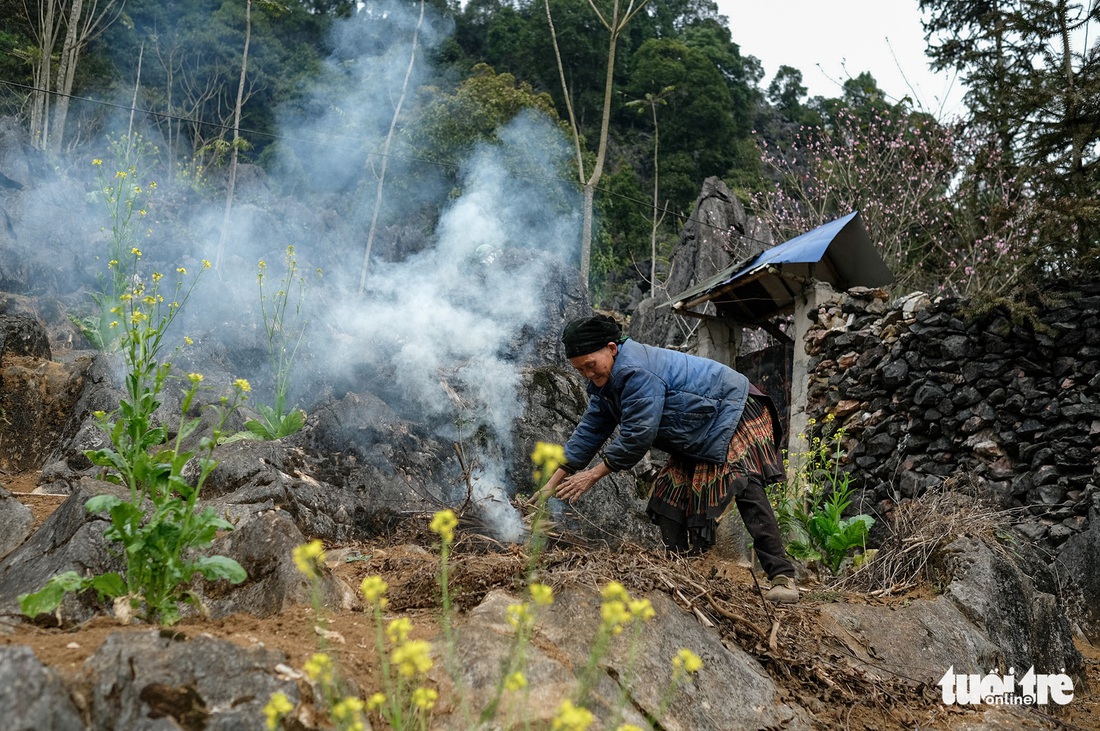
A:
x,y
659,398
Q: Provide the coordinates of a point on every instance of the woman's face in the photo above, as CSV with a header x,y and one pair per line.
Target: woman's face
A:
x,y
597,366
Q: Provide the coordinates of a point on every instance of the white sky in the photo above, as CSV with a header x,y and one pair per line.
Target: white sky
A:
x,y
833,40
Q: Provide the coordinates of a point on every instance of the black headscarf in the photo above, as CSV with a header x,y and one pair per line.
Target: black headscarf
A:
x,y
589,334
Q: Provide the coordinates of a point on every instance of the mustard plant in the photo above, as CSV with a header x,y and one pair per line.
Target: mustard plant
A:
x,y
285,329
126,192
159,526
810,508
347,711
406,701
547,458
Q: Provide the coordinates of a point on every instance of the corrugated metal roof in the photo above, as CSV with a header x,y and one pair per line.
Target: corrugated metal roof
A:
x,y
839,252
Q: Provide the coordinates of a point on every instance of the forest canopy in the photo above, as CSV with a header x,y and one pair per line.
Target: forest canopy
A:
x,y
652,104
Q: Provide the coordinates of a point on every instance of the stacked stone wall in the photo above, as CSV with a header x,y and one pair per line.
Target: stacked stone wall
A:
x,y
1004,400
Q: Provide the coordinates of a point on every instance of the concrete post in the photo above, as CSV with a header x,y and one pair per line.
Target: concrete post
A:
x,y
719,340
813,295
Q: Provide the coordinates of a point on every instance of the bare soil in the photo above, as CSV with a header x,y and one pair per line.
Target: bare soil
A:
x,y
789,642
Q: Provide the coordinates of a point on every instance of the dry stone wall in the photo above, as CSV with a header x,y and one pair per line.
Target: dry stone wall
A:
x,y
1004,400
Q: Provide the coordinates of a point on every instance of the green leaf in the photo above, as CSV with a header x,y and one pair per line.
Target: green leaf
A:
x,y
101,503
220,567
49,597
110,584
260,429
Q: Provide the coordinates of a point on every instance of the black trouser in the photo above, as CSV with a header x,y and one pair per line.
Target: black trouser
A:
x,y
759,519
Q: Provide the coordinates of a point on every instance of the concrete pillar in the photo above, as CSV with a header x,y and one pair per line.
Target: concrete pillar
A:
x,y
814,294
719,340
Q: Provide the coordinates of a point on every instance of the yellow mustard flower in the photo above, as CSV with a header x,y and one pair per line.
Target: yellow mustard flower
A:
x,y
614,614
425,698
319,668
412,658
542,594
205,264
308,557
686,661
276,709
112,263
398,630
641,609
615,591
571,718
346,712
515,681
376,701
443,524
188,340
519,615
195,378
136,252
373,587
627,727
242,385
181,270
97,161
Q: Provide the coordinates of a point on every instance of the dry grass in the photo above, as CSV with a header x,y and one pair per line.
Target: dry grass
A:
x,y
919,530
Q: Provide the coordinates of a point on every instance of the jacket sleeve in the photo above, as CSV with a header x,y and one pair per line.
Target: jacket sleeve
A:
x,y
642,402
595,427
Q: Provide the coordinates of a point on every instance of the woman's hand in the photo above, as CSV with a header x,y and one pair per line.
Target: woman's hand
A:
x,y
573,486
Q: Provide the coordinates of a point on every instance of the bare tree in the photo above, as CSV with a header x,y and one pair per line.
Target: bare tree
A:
x,y
235,146
82,21
653,101
386,154
614,22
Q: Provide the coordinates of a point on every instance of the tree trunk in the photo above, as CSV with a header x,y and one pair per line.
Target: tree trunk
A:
x,y
46,35
66,72
386,156
234,152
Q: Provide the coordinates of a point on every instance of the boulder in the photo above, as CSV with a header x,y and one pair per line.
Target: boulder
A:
x,y
1078,567
1011,602
15,523
71,539
630,681
158,680
32,696
263,547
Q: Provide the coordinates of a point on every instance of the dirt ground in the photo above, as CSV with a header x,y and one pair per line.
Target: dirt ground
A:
x,y
789,642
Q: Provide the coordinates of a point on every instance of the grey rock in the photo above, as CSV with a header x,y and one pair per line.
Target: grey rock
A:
x,y
71,539
147,681
917,642
15,523
1078,567
263,547
718,234
705,703
32,696
23,336
1006,603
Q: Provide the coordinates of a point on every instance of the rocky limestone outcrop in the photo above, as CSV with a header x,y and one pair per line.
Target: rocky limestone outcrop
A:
x,y
32,696
717,234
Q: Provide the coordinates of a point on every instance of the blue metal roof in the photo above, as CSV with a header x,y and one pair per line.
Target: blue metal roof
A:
x,y
839,252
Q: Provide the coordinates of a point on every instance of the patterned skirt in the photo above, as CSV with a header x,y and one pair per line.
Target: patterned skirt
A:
x,y
695,493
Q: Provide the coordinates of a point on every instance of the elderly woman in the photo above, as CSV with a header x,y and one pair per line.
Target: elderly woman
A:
x,y
717,429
